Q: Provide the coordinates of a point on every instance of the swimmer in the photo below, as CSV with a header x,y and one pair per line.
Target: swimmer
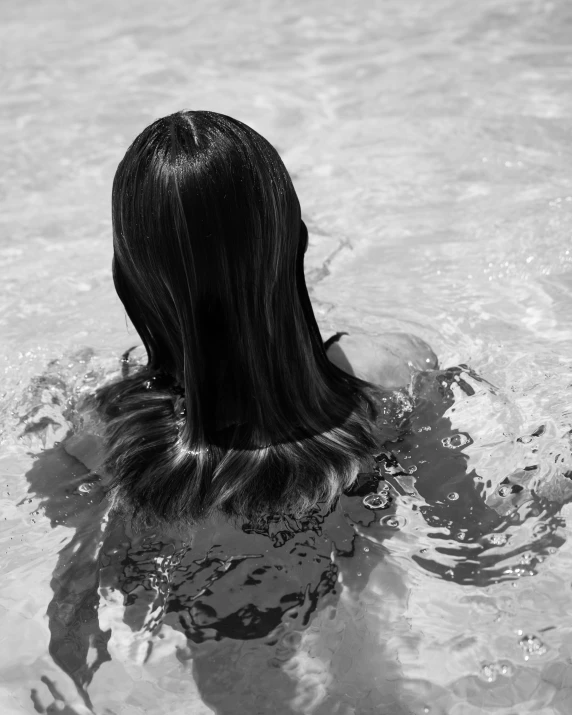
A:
x,y
241,407
225,454
243,411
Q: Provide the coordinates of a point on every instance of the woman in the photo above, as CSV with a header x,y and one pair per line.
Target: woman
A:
x,y
242,538
238,410
226,454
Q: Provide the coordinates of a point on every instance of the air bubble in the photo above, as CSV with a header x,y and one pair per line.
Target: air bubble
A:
x,y
532,645
504,490
456,441
489,672
376,501
518,571
453,496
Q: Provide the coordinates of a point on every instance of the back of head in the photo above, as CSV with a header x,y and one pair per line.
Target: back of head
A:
x,y
239,408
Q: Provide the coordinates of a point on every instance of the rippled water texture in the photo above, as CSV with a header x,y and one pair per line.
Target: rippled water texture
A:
x,y
431,146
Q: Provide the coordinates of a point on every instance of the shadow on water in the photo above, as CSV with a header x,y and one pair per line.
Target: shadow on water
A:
x,y
253,602
70,497
242,596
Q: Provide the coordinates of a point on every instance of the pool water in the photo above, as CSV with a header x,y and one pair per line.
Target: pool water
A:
x,y
431,147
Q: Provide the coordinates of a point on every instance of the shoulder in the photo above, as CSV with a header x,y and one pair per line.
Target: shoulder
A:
x,y
388,360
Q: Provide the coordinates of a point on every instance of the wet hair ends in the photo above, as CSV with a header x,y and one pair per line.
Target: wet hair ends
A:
x,y
239,408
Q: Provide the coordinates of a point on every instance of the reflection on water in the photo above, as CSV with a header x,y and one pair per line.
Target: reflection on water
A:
x,y
430,144
292,615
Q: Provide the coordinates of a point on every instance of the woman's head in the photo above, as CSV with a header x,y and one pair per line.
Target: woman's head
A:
x,y
208,262
207,232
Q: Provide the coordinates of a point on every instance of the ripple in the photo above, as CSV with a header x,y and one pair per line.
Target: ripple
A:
x,y
393,521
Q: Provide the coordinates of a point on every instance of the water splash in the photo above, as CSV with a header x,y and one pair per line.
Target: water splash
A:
x,y
376,501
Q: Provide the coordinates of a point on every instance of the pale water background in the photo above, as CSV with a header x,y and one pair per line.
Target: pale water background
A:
x,y
431,147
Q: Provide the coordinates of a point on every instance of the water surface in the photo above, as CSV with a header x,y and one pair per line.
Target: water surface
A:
x,y
431,146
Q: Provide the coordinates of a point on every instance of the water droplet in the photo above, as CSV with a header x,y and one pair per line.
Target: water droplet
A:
x,y
412,469
423,551
504,490
532,645
461,536
456,441
376,501
498,539
453,496
552,549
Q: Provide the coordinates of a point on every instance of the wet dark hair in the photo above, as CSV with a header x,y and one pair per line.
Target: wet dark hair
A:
x,y
239,408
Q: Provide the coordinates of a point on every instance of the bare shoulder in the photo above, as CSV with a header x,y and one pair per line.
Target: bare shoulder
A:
x,y
389,359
